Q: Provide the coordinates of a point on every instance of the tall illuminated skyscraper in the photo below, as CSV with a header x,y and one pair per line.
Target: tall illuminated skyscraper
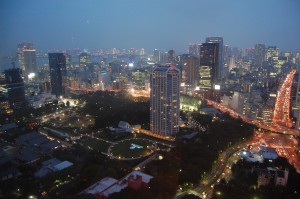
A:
x,y
171,56
209,62
156,55
193,49
209,71
84,60
219,41
27,59
259,55
15,88
58,76
272,55
164,100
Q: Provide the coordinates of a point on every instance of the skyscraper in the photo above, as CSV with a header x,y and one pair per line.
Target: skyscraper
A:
x,y
218,40
5,108
164,100
272,55
209,62
84,60
15,88
27,59
171,56
189,66
209,71
259,55
156,55
193,49
57,65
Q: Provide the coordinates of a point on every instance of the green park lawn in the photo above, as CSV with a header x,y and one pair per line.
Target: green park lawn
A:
x,y
122,148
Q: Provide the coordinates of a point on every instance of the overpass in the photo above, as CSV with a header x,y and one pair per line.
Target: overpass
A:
x,y
270,127
282,121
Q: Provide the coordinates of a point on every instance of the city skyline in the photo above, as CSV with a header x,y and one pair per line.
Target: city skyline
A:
x,y
149,99
149,25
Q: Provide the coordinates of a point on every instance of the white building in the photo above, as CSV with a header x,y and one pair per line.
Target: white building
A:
x,y
164,100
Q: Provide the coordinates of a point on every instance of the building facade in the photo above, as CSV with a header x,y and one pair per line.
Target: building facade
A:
x,y
15,88
164,100
27,59
58,76
84,60
209,71
219,41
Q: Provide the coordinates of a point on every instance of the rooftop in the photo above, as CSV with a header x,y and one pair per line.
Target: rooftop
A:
x,y
108,185
100,185
8,126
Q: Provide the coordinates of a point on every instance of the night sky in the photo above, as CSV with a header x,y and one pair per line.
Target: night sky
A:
x,y
149,24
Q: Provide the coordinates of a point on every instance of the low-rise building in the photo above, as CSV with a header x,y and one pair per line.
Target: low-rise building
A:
x,y
107,186
272,175
52,165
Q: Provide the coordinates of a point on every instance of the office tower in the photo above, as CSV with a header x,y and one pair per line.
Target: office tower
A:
x,y
58,79
15,88
156,55
190,69
259,55
138,78
164,57
209,62
272,55
209,71
5,108
218,40
164,100
231,62
27,59
193,49
84,60
68,61
189,66
171,56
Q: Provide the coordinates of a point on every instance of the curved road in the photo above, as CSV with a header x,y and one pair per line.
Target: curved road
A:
x,y
226,160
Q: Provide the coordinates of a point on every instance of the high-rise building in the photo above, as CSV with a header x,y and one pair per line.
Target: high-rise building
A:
x,y
272,55
171,56
84,60
27,59
15,88
164,100
58,78
190,69
156,55
209,71
209,62
193,49
68,61
5,108
218,40
259,55
138,77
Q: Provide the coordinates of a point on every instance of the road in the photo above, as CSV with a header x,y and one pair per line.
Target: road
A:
x,y
271,127
220,168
